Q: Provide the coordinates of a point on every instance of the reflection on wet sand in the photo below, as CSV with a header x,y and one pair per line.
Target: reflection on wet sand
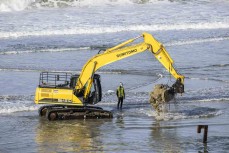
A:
x,y
167,138
69,136
120,121
204,148
164,140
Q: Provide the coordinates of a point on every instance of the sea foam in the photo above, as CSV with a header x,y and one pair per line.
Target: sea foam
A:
x,y
19,5
100,29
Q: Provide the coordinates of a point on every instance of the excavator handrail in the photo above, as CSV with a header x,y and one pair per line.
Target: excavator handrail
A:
x,y
122,51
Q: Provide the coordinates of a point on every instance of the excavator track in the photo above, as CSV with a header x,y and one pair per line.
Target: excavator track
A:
x,y
54,112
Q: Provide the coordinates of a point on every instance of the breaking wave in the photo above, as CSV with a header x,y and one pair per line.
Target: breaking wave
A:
x,y
19,5
17,103
197,41
43,50
14,5
219,65
201,112
17,108
206,78
77,71
100,29
103,47
214,99
6,98
102,71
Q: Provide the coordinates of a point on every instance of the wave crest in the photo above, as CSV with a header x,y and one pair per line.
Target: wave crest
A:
x,y
100,29
16,103
200,112
197,41
14,5
19,5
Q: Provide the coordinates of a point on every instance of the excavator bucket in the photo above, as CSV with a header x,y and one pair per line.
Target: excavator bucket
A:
x,y
178,86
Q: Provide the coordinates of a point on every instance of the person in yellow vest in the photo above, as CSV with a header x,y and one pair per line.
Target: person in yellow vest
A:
x,y
121,95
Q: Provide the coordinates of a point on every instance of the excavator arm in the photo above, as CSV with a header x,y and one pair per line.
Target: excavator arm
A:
x,y
122,51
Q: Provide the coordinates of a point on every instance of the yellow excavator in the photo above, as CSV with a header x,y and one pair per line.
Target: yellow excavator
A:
x,y
72,96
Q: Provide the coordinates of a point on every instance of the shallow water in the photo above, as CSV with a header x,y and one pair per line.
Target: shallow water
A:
x,y
37,36
132,130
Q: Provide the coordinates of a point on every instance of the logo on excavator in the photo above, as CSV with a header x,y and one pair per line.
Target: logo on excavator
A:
x,y
127,53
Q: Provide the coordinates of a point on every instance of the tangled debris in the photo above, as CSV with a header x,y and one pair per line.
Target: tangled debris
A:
x,y
160,95
163,94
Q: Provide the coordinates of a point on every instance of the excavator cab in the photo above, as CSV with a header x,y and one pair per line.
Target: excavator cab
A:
x,y
96,90
73,80
95,95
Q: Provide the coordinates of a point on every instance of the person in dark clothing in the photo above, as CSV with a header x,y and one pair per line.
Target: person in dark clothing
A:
x,y
121,95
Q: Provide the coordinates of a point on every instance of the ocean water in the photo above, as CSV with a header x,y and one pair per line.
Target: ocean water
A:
x,y
61,35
